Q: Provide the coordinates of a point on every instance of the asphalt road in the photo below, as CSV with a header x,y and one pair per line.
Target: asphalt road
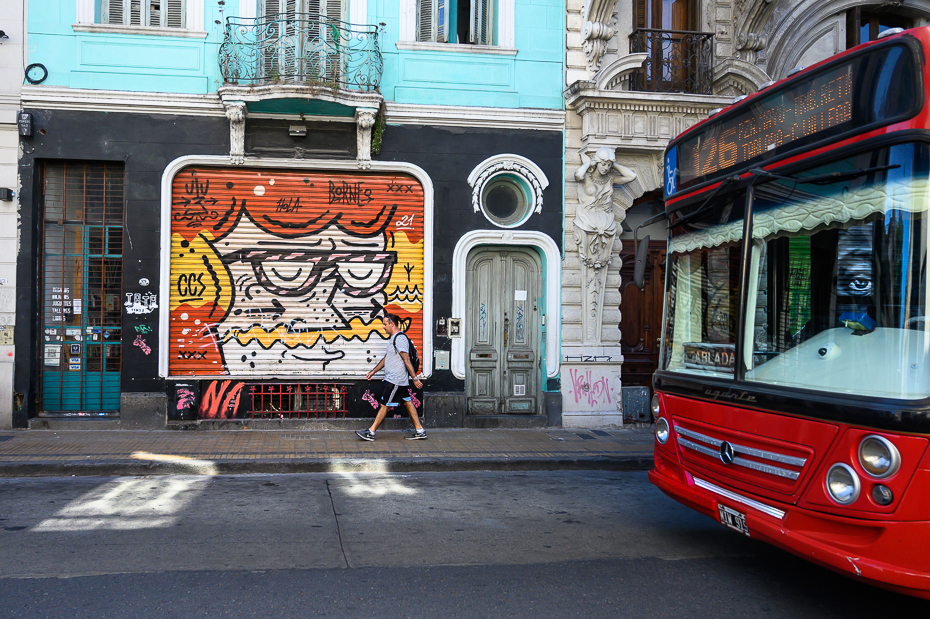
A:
x,y
548,544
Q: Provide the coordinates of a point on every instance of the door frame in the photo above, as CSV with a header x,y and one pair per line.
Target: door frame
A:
x,y
550,347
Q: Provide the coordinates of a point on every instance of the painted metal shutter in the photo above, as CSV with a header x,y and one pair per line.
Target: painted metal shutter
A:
x,y
283,273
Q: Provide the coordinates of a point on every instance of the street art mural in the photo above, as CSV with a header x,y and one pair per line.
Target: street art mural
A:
x,y
287,272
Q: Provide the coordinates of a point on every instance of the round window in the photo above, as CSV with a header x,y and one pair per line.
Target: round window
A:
x,y
504,201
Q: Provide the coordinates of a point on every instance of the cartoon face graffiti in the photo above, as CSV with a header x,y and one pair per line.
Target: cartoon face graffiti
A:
x,y
289,272
300,286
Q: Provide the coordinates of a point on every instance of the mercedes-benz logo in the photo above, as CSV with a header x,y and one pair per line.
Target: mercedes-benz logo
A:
x,y
726,453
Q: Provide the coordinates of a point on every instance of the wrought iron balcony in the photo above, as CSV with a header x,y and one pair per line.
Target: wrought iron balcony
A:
x,y
301,49
677,61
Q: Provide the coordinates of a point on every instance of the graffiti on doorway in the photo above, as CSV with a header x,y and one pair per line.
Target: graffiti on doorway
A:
x,y
289,272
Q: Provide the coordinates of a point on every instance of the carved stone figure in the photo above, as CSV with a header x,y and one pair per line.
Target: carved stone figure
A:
x,y
595,221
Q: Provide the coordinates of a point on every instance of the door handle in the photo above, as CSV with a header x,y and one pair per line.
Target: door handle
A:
x,y
506,329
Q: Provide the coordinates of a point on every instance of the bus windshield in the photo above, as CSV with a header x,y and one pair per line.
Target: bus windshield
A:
x,y
837,297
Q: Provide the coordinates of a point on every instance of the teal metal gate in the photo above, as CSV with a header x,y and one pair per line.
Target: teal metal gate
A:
x,y
82,288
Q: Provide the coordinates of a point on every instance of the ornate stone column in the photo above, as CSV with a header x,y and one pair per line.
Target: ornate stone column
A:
x,y
594,231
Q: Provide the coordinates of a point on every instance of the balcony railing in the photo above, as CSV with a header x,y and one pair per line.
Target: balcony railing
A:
x,y
677,61
301,49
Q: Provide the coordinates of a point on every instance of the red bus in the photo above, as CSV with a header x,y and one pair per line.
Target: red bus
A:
x,y
793,391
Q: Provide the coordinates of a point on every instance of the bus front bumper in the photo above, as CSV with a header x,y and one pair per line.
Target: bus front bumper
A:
x,y
867,550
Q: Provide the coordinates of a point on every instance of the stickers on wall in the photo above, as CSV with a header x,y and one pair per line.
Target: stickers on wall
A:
x,y
52,354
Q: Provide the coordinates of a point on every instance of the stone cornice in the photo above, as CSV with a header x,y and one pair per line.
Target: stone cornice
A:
x,y
582,97
63,98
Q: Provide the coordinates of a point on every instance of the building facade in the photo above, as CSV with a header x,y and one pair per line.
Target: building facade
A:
x,y
11,77
220,200
638,72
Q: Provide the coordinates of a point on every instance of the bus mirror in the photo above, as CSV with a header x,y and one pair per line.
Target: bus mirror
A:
x,y
639,267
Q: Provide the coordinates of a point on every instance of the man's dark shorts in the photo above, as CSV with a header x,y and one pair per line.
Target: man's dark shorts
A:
x,y
393,395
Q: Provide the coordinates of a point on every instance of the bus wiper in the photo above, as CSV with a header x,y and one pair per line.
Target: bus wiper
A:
x,y
705,205
823,179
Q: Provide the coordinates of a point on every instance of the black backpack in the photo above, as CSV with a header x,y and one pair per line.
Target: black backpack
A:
x,y
414,357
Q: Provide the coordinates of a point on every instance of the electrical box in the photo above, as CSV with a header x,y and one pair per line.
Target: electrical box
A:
x,y
442,359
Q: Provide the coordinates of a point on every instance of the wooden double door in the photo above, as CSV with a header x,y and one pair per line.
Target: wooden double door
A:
x,y
503,326
641,312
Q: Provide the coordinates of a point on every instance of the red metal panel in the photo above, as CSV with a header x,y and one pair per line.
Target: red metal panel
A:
x,y
288,272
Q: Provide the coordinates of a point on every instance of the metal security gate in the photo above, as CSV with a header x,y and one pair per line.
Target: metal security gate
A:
x,y
82,267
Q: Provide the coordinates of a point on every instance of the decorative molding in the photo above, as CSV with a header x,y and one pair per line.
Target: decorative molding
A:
x,y
417,172
86,100
456,48
531,173
553,284
235,112
611,75
348,98
77,99
477,117
183,33
735,77
595,35
365,120
748,44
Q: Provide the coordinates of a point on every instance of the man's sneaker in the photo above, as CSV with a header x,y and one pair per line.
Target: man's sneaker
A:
x,y
365,435
416,436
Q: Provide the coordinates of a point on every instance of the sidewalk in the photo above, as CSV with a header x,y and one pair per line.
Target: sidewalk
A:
x,y
117,452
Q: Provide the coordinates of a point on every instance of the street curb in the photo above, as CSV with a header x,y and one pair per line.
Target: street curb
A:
x,y
109,468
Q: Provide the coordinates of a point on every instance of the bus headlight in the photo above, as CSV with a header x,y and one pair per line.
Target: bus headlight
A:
x,y
661,430
878,456
654,406
842,484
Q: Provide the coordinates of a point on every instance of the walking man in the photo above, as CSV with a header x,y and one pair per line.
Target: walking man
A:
x,y
397,374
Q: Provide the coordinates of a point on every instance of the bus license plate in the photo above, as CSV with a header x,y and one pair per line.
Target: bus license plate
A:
x,y
733,519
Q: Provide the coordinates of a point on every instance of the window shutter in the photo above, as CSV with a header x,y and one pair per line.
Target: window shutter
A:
x,y
334,10
175,13
154,13
270,8
442,20
481,23
640,9
114,12
135,13
425,20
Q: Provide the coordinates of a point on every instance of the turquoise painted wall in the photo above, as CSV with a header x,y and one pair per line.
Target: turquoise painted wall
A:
x,y
533,78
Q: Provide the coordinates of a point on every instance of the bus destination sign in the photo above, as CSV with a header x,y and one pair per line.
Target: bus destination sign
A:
x,y
814,105
702,356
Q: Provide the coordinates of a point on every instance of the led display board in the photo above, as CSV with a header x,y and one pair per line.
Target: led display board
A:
x,y
878,85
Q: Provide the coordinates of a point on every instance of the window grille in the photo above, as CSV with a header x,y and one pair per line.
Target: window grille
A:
x,y
297,401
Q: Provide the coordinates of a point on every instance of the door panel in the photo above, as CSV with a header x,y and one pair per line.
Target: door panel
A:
x,y
642,315
503,331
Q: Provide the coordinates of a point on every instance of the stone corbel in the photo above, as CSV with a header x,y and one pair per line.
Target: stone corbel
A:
x,y
365,120
595,36
236,112
596,31
749,44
